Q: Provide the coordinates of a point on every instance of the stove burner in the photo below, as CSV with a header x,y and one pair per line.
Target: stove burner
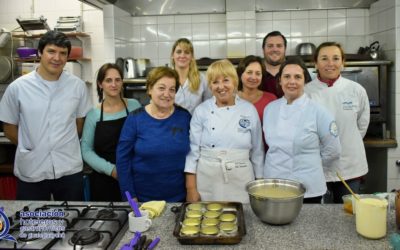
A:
x,y
27,239
85,236
106,213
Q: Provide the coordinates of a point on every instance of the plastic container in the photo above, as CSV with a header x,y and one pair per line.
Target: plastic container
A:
x,y
26,52
371,217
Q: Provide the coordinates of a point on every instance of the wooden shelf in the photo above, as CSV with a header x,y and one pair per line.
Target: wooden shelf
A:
x,y
380,143
69,34
6,168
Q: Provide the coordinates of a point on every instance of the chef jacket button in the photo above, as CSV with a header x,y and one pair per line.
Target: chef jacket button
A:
x,y
213,128
227,108
212,112
212,145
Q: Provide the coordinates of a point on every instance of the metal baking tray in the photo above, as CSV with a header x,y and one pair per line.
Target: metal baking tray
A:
x,y
210,239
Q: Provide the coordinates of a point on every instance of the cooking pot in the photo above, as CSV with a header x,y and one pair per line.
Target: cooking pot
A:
x,y
130,68
142,65
26,52
6,69
305,49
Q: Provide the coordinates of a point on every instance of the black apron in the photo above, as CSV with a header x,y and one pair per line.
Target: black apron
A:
x,y
106,136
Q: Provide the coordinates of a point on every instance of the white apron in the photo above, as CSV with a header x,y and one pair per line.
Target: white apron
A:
x,y
222,175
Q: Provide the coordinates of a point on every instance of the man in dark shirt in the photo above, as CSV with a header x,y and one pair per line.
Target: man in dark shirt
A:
x,y
274,47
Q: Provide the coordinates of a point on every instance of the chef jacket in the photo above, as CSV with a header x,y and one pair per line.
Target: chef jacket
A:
x,y
300,137
189,100
231,127
45,113
349,104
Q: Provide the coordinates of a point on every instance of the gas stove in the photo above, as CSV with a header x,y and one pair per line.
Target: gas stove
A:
x,y
68,226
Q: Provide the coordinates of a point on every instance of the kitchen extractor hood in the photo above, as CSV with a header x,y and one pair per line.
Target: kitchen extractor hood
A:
x,y
98,3
282,5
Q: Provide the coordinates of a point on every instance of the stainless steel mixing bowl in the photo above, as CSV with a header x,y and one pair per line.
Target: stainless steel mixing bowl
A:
x,y
277,211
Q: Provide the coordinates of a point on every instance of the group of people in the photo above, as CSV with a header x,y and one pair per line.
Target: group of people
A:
x,y
199,138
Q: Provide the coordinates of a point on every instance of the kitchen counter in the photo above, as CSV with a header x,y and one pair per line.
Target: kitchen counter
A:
x,y
316,227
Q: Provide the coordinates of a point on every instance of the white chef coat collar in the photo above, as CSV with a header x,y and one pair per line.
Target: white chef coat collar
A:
x,y
298,102
237,99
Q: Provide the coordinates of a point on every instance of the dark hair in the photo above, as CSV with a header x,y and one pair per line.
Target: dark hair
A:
x,y
160,72
274,33
328,44
101,75
243,65
54,37
296,61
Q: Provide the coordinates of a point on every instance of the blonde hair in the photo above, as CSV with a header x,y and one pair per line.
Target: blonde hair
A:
x,y
222,68
194,74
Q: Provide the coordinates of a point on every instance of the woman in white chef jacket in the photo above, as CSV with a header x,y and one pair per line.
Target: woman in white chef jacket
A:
x,y
226,149
348,102
301,134
193,87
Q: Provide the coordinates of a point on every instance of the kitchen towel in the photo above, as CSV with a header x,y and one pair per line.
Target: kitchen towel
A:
x,y
155,208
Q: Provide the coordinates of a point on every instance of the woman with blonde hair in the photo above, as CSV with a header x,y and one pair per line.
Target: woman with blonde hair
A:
x,y
226,149
193,87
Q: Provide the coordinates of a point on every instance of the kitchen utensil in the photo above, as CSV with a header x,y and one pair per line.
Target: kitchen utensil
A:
x,y
305,49
26,52
142,64
133,204
139,224
154,243
200,239
373,50
371,216
5,68
276,211
132,243
141,242
347,186
130,68
76,53
120,63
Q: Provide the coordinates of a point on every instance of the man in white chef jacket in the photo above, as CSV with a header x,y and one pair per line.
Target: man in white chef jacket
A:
x,y
43,114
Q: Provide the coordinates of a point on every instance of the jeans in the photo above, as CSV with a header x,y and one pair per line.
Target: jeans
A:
x,y
336,190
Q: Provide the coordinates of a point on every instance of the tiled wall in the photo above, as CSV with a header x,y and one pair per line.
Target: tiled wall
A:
x,y
50,9
385,27
234,34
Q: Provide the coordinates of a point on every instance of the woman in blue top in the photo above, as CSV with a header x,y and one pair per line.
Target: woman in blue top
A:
x,y
301,134
154,142
101,131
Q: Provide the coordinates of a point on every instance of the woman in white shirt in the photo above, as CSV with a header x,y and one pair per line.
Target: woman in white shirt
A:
x,y
349,103
193,87
301,134
226,149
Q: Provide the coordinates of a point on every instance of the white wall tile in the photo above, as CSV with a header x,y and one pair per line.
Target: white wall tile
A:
x,y
263,28
202,48
136,20
235,15
373,24
165,49
250,15
281,15
165,19
318,27
336,26
218,30
303,14
264,16
299,27
318,14
317,40
250,28
163,62
149,50
217,49
201,31
339,39
183,19
393,184
355,13
282,25
355,26
259,50
293,42
136,33
393,171
148,20
236,48
235,28
353,43
250,46
165,32
335,13
148,33
200,18
216,18
183,30
108,27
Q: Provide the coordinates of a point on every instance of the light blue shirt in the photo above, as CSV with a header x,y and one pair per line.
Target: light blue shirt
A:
x,y
98,163
45,113
301,136
189,100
